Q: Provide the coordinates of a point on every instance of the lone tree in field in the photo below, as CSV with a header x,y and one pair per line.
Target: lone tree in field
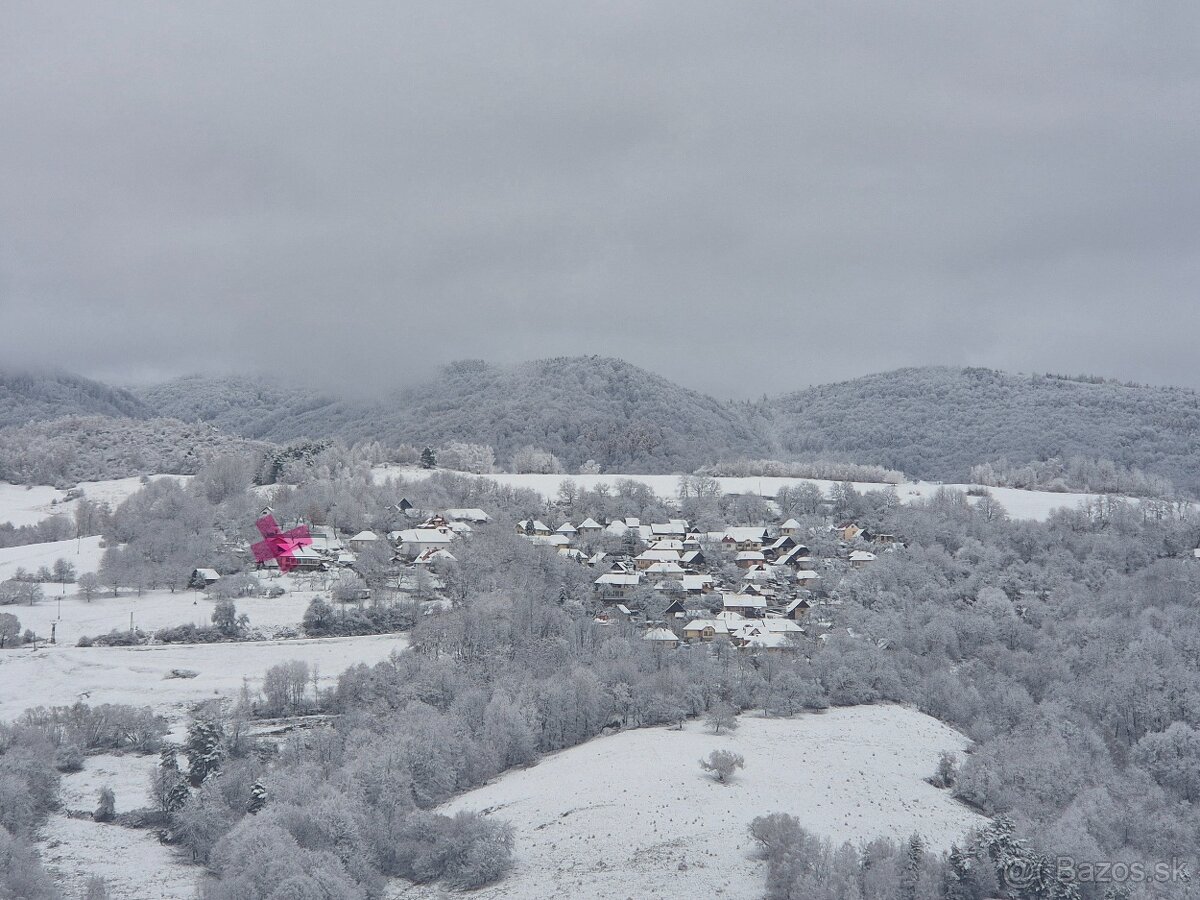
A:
x,y
106,810
722,715
722,763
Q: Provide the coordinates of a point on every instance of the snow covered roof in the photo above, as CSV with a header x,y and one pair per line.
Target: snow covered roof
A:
x,y
755,555
665,528
803,574
208,574
589,523
665,568
365,536
659,555
743,601
861,556
667,545
790,524
660,634
434,553
425,536
696,582
716,625
554,540
566,528
467,515
791,607
628,579
745,533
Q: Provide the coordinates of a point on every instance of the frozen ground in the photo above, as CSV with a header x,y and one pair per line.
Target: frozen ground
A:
x,y
76,617
137,675
28,506
84,554
1036,505
633,816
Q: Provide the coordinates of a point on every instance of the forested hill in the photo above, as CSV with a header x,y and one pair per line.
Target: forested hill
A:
x,y
29,397
938,422
933,423
578,408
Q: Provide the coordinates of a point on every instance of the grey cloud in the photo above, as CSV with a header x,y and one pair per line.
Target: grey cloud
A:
x,y
741,197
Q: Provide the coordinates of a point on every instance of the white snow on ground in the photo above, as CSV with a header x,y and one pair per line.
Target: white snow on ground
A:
x,y
632,815
23,505
84,554
137,675
133,862
1036,505
75,617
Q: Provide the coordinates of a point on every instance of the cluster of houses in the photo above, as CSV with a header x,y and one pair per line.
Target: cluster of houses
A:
x,y
427,541
777,583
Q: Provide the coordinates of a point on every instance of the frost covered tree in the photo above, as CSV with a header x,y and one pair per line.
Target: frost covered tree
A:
x,y
204,749
89,585
10,630
722,764
722,715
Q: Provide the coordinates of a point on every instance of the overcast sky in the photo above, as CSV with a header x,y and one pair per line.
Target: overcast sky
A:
x,y
744,197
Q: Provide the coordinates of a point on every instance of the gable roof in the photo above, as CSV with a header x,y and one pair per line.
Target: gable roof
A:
x,y
590,523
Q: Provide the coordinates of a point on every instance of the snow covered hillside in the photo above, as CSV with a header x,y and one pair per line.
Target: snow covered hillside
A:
x,y
1033,505
139,676
29,505
632,815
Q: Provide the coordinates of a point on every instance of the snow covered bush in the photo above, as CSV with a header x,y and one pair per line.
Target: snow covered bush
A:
x,y
722,763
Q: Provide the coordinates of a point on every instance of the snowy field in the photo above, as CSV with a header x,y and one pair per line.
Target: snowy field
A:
x,y
84,554
135,865
632,815
1035,505
29,505
76,617
138,675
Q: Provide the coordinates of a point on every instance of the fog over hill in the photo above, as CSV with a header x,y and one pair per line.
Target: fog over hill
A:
x,y
932,423
32,396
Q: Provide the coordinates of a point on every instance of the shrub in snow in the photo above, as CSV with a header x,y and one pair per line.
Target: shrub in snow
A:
x,y
106,810
722,763
463,851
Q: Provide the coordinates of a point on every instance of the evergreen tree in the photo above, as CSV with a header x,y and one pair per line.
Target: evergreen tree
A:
x,y
428,458
258,798
204,749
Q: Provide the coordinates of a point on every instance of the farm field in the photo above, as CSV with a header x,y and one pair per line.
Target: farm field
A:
x,y
632,815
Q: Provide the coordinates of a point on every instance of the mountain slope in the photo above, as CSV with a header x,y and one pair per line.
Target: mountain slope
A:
x,y
36,396
937,422
578,408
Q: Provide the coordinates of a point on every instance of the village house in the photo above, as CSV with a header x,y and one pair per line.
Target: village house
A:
x,y
471,516
806,577
661,637
749,558
202,578
767,634
705,629
533,526
860,558
745,537
798,608
412,542
790,528
613,586
589,528
647,558
363,540
745,605
567,530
